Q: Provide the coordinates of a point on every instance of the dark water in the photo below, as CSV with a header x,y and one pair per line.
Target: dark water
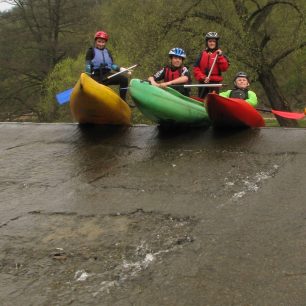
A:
x,y
142,216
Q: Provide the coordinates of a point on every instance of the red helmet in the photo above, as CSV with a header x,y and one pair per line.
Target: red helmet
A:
x,y
102,35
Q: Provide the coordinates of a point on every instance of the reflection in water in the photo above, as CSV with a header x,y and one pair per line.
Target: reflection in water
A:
x,y
175,131
93,134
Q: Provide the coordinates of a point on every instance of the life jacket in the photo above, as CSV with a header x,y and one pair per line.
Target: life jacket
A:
x,y
172,74
206,62
239,93
101,58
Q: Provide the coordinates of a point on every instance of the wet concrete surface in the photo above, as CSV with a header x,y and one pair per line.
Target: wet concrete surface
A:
x,y
140,216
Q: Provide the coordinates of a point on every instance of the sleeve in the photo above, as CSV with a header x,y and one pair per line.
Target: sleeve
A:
x,y
225,94
89,54
252,99
185,72
223,63
198,74
115,67
159,75
88,67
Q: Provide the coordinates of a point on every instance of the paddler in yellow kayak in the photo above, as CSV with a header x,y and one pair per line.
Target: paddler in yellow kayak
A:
x,y
100,64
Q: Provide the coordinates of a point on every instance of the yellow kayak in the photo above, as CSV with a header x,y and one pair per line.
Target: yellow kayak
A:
x,y
91,102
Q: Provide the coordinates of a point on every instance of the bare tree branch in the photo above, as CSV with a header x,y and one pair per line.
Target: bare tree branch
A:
x,y
285,54
256,3
264,41
241,10
185,15
257,16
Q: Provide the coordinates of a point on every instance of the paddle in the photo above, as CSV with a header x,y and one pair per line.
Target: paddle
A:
x,y
199,85
213,65
288,115
64,96
125,70
209,74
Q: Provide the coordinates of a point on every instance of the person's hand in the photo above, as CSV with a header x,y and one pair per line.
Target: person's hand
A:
x,y
152,82
219,52
206,80
128,72
163,85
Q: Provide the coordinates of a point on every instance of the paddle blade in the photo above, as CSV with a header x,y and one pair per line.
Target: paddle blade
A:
x,y
64,97
288,115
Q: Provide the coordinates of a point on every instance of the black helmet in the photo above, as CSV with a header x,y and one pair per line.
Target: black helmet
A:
x,y
211,35
241,74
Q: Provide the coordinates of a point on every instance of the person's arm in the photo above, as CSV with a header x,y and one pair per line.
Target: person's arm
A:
x,y
179,81
225,94
158,76
152,81
88,58
198,74
183,79
223,62
252,99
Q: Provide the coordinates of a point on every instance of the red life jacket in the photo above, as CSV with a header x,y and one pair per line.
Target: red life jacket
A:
x,y
172,75
205,64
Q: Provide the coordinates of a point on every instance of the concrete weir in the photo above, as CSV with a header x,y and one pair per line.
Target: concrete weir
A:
x,y
142,216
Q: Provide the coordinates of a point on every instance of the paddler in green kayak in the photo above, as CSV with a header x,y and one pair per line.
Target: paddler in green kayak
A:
x,y
174,74
241,89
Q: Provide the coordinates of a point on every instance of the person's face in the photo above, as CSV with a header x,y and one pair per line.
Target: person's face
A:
x,y
211,43
100,43
176,61
242,83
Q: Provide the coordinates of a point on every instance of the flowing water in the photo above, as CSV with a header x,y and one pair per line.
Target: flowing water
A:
x,y
140,216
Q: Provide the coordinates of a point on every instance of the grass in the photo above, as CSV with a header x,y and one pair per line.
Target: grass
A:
x,y
272,122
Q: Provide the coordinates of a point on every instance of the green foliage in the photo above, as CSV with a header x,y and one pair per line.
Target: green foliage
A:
x,y
63,76
143,31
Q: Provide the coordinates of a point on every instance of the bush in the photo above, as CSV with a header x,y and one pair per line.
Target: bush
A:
x,y
64,76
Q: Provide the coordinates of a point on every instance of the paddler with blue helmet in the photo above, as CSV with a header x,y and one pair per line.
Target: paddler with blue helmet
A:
x,y
173,74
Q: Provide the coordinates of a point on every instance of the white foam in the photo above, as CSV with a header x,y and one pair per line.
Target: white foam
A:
x,y
252,184
81,275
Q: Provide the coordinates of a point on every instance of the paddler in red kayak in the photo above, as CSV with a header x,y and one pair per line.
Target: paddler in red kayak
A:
x,y
207,69
99,64
174,74
241,89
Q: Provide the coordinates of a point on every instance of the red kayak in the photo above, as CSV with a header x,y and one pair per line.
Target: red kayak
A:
x,y
232,112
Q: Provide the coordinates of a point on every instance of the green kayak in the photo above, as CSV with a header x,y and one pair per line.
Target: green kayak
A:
x,y
167,106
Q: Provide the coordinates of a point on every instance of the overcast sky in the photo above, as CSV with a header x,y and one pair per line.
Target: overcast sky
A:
x,y
5,6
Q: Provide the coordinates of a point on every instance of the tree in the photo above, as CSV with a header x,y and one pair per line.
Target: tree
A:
x,y
35,36
260,43
251,35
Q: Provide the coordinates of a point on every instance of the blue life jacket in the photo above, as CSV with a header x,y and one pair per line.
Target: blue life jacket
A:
x,y
101,58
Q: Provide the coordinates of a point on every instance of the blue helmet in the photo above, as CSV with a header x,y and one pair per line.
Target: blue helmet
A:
x,y
177,52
